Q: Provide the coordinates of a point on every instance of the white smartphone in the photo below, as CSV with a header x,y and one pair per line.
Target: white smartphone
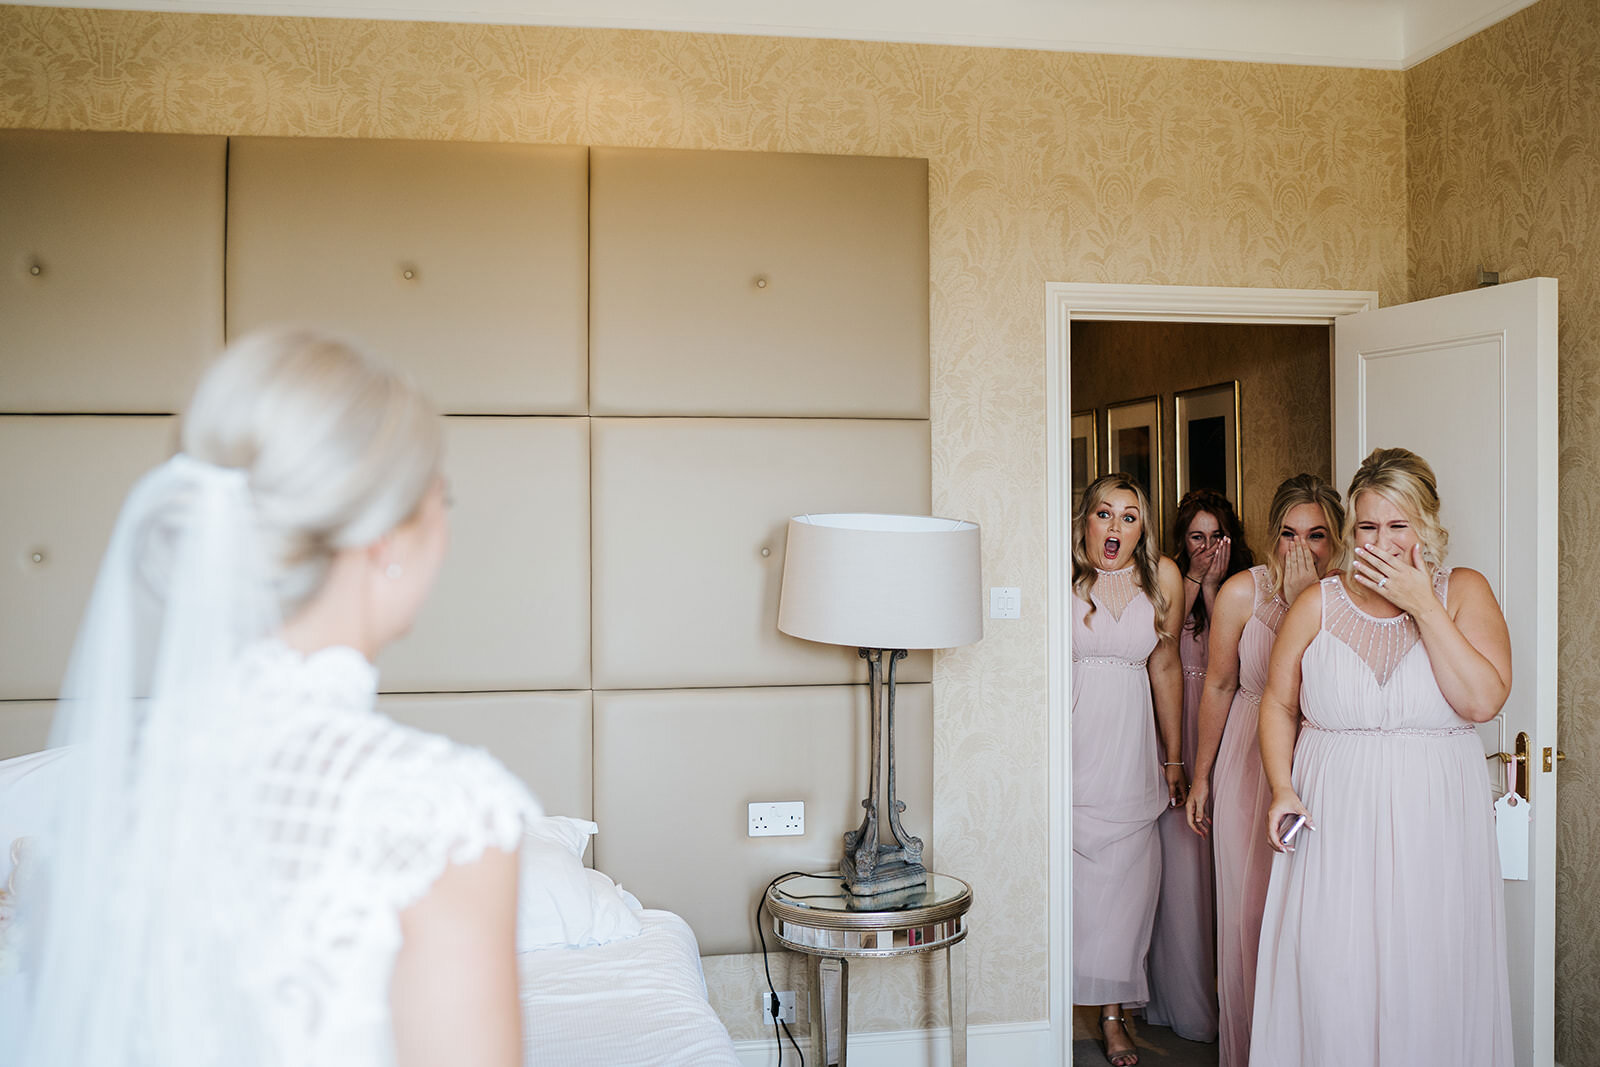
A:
x,y
1288,826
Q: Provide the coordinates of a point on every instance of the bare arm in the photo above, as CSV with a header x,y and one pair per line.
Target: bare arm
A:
x,y
1166,681
1233,607
1280,708
1468,642
454,995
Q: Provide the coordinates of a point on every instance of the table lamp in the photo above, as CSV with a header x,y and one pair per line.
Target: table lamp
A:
x,y
885,584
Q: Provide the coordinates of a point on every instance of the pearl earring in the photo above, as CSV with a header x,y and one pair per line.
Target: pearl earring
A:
x,y
393,570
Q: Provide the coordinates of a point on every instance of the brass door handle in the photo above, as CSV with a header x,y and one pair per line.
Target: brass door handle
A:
x,y
1518,781
1548,766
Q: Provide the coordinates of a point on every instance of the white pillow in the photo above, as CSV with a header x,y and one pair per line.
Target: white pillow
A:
x,y
562,903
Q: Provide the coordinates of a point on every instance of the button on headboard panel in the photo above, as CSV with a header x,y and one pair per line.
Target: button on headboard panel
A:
x,y
464,263
754,283
675,771
62,485
110,269
689,523
510,609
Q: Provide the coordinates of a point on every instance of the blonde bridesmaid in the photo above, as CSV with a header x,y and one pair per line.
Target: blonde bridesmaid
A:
x,y
1126,678
1307,523
1384,936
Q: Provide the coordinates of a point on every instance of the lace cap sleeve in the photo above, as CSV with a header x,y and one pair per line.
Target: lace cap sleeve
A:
x,y
432,803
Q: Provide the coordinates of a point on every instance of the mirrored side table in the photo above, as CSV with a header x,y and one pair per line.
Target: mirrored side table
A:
x,y
817,917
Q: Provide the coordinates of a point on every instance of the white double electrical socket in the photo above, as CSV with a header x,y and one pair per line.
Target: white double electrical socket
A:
x,y
781,819
785,1007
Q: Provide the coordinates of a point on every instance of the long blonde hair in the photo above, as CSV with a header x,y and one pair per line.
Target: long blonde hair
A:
x,y
1406,480
1290,494
1146,553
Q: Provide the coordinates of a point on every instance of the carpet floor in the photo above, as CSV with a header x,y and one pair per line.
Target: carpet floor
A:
x,y
1158,1046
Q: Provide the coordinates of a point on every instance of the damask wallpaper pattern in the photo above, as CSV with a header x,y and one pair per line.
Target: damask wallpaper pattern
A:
x,y
1503,155
1043,167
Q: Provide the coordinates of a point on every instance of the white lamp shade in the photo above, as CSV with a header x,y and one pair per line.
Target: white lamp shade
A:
x,y
881,581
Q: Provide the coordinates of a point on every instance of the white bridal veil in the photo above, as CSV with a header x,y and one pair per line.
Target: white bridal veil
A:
x,y
134,923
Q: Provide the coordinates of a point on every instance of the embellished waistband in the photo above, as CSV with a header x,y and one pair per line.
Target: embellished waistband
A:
x,y
1110,661
1194,672
1255,698
1374,731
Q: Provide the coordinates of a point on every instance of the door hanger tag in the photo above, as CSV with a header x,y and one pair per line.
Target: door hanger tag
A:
x,y
1511,827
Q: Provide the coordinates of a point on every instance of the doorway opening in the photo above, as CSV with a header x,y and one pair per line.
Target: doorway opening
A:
x,y
1160,317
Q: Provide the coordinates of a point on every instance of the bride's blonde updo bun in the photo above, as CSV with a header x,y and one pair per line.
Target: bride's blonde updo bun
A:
x,y
338,448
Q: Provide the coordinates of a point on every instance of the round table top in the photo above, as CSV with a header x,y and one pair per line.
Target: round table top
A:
x,y
823,902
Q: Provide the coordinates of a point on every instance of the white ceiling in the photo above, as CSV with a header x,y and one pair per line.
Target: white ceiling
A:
x,y
1383,34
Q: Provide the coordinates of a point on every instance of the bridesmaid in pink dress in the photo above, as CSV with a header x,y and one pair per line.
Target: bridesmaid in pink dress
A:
x,y
1383,939
1307,523
1183,963
1126,677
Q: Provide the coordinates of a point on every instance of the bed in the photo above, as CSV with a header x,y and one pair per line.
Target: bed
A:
x,y
640,1001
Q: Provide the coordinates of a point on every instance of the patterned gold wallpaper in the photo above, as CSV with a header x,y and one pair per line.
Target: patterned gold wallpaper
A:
x,y
1503,151
1043,167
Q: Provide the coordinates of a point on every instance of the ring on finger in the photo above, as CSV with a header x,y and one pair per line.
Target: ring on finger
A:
x,y
1383,581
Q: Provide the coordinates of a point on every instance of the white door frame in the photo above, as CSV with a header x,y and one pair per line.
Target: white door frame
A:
x,y
1066,303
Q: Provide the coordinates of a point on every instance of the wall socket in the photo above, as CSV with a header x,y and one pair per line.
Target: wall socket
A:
x,y
781,819
785,1007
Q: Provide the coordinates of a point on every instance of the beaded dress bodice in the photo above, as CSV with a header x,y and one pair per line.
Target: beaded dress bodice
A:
x,y
1362,672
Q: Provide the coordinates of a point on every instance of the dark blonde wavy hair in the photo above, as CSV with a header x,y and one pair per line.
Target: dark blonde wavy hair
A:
x,y
1290,494
1146,554
1406,480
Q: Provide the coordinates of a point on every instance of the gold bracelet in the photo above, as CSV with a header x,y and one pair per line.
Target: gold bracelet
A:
x,y
1192,578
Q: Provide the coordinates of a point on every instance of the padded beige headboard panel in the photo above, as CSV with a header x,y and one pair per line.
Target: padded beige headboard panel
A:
x,y
24,726
673,828
493,319
62,486
543,738
754,283
511,607
125,233
689,522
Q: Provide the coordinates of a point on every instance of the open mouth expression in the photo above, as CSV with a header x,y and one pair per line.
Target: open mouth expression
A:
x,y
1115,527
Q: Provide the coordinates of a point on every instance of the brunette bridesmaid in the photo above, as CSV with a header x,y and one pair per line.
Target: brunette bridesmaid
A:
x,y
1126,677
1183,971
1307,523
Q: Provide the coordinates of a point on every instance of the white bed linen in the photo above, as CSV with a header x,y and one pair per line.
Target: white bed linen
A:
x,y
634,1003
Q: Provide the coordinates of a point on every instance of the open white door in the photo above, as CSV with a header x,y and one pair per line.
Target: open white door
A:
x,y
1468,381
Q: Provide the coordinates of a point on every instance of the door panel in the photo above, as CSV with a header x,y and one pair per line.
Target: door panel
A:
x,y
1468,381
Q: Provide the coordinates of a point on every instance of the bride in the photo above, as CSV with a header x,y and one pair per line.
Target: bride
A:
x,y
249,864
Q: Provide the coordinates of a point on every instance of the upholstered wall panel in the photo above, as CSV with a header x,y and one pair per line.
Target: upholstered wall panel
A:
x,y
543,738
746,283
511,607
63,483
24,726
675,772
689,522
110,269
492,319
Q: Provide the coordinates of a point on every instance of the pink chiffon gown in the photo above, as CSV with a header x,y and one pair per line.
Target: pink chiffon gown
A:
x,y
1239,802
1117,793
1183,963
1384,939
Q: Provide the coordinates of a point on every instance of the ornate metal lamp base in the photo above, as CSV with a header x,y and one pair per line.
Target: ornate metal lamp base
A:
x,y
871,866
887,875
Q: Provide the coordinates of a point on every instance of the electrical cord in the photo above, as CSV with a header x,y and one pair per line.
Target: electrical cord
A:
x,y
772,989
